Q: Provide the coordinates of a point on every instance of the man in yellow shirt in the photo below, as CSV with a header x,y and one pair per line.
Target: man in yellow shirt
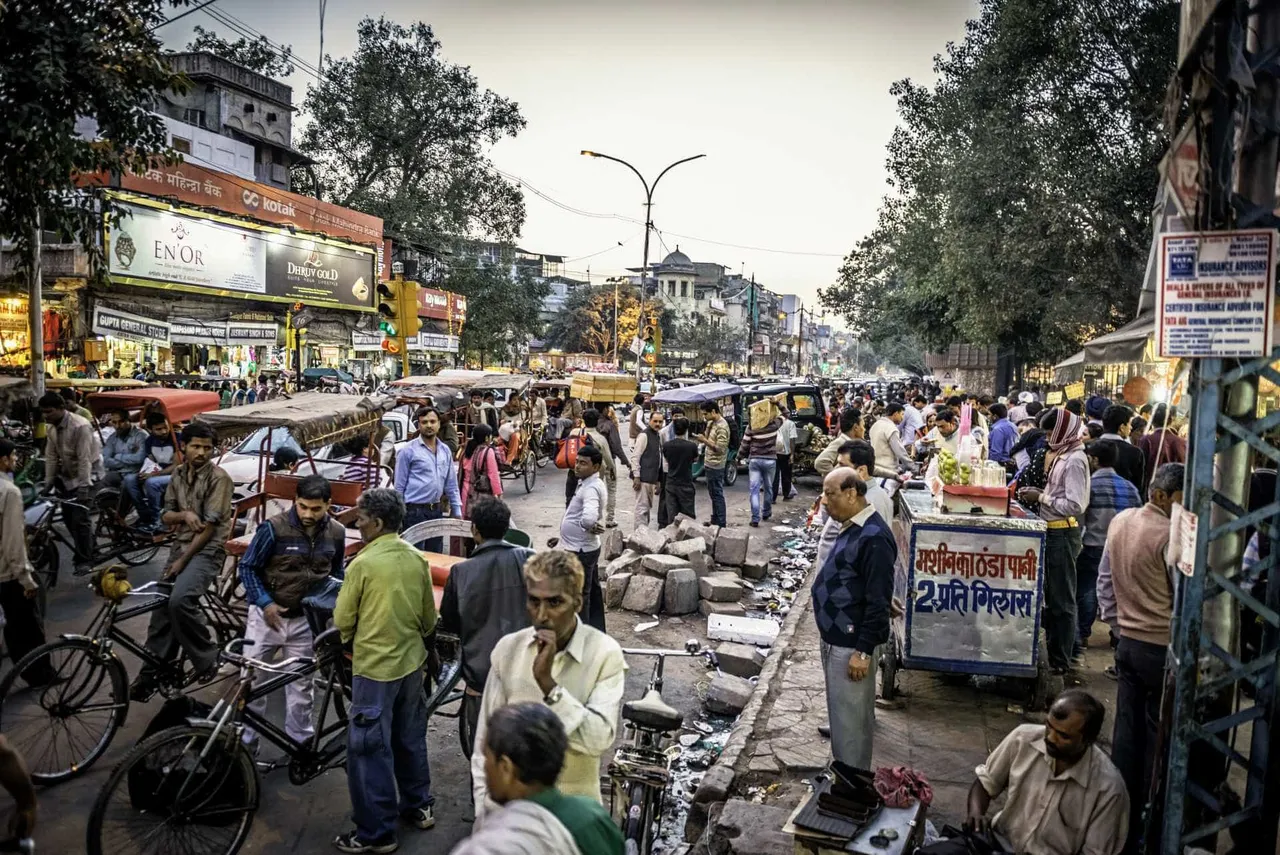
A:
x,y
576,670
385,608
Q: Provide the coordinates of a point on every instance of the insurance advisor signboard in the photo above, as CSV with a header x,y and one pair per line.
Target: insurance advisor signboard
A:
x,y
1216,293
168,249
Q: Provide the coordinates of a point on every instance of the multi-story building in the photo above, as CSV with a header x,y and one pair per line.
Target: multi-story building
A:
x,y
694,289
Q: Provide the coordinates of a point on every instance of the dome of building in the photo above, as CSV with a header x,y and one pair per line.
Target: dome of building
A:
x,y
677,262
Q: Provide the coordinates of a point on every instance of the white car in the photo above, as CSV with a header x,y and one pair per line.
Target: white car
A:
x,y
244,462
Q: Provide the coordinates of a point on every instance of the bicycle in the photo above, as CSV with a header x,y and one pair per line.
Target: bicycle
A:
x,y
201,777
114,538
641,767
65,726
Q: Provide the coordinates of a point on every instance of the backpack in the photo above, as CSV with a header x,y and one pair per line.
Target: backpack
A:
x,y
567,453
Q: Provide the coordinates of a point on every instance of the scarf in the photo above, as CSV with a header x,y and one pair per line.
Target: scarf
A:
x,y
1063,439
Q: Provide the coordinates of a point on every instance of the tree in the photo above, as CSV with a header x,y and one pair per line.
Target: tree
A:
x,y
63,63
585,324
502,311
398,132
712,342
1022,182
257,55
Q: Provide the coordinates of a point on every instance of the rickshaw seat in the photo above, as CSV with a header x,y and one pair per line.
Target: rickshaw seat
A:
x,y
284,485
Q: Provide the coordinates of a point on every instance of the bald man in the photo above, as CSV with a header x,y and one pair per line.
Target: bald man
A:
x,y
852,594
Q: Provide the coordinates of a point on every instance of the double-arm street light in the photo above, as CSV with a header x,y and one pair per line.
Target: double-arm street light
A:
x,y
648,226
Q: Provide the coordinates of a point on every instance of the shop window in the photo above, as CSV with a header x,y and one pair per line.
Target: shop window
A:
x,y
684,288
193,117
184,146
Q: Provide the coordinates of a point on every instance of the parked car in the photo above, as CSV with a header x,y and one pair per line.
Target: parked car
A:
x,y
805,407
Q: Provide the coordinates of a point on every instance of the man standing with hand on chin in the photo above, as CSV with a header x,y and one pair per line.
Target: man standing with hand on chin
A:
x,y
576,670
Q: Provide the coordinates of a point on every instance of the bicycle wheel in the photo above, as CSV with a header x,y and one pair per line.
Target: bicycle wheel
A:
x,y
174,792
635,825
43,554
449,679
530,472
63,728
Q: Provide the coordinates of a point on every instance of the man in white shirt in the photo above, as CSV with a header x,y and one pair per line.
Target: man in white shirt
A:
x,y
786,446
580,529
23,628
576,670
912,421
887,441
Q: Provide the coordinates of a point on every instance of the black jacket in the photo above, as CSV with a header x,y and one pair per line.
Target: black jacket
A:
x,y
484,600
1131,463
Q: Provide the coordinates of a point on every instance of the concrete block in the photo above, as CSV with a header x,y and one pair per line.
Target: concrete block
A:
x,y
741,629
672,531
740,660
685,548
627,562
680,592
755,566
660,565
695,529
708,608
611,544
643,594
615,590
647,541
746,828
719,589
728,694
700,563
732,545
681,519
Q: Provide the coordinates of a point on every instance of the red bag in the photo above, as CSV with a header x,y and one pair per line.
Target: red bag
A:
x,y
567,452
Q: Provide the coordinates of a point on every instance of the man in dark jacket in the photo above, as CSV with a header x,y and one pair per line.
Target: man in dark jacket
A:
x,y
679,453
1131,464
484,600
852,594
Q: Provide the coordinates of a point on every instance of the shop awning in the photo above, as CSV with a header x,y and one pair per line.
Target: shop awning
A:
x,y
1127,344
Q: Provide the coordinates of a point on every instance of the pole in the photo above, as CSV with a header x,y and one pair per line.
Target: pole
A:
x,y
800,343
751,322
616,363
35,311
644,268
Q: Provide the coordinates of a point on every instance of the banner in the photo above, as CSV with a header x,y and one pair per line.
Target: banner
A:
x,y
222,334
120,324
974,597
422,341
167,247
441,305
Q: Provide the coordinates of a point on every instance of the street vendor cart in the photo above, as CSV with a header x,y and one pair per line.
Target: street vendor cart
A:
x,y
973,587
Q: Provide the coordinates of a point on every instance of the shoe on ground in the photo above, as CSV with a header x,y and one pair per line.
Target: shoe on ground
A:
x,y
793,495
767,517
207,675
754,524
1077,661
824,730
1110,671
422,817
143,688
351,842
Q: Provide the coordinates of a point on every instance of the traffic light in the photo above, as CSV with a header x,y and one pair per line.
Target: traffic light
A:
x,y
409,319
390,306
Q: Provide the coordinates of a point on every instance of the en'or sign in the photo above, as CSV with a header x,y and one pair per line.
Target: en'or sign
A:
x,y
1215,294
1053,399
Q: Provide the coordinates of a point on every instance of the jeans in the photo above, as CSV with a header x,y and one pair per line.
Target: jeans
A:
x,y
592,611
1061,548
715,488
24,630
148,495
783,474
851,706
294,639
1086,593
414,514
386,752
760,471
179,623
1140,682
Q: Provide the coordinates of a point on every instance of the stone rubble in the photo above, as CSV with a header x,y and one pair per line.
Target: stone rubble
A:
x,y
704,559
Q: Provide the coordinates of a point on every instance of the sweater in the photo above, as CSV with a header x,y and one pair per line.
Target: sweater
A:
x,y
1135,587
761,443
853,588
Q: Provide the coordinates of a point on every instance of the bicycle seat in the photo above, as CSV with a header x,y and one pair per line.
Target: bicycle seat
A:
x,y
652,712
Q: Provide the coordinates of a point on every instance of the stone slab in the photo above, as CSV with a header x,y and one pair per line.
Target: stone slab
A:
x,y
700,563
611,544
741,629
707,608
732,545
755,566
740,660
716,588
680,592
661,565
687,547
644,595
647,541
728,694
695,529
627,562
615,590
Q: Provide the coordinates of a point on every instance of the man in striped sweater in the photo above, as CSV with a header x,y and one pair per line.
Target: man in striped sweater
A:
x,y
759,447
1109,494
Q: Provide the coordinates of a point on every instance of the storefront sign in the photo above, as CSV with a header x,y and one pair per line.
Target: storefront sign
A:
x,y
441,305
422,341
222,334
1215,295
126,325
209,188
974,598
169,248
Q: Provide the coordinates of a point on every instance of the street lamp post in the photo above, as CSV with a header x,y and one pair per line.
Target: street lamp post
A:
x,y
648,225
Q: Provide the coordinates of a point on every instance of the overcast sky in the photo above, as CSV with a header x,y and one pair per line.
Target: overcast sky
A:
x,y
789,101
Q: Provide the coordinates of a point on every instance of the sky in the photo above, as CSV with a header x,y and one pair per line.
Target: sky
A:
x,y
789,101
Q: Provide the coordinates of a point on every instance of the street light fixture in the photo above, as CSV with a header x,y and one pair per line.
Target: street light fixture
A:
x,y
648,226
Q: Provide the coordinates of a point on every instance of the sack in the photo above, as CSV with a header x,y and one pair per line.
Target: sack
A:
x,y
567,453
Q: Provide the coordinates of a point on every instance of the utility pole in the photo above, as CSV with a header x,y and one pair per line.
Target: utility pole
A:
x,y
35,309
751,322
800,343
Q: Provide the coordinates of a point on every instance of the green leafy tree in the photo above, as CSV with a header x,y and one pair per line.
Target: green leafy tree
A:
x,y
62,63
712,342
502,311
1022,182
257,55
585,325
398,132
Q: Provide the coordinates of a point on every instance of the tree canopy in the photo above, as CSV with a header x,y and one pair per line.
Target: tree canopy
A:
x,y
585,324
502,309
713,343
64,66
399,132
1022,182
257,55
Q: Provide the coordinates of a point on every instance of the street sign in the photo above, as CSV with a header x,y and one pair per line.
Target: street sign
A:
x,y
1215,295
637,346
1181,169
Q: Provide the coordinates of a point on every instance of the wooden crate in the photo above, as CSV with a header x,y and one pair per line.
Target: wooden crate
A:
x,y
603,388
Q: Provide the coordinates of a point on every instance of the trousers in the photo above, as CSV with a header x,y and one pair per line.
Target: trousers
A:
x,y
760,471
850,706
415,514
715,490
76,518
645,501
610,476
680,499
1086,593
1061,548
783,474
294,639
1140,682
179,624
592,612
24,630
387,753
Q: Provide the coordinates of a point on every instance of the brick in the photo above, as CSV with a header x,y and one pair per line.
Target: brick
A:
x,y
680,592
615,590
627,562
685,548
728,694
718,589
744,630
740,660
647,541
707,533
755,567
611,544
644,594
700,563
707,608
732,545
660,565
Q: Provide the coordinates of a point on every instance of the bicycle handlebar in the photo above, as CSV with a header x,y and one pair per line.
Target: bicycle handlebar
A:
x,y
284,666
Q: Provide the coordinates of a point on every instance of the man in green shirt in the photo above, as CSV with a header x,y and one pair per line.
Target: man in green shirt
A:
x,y
385,608
523,752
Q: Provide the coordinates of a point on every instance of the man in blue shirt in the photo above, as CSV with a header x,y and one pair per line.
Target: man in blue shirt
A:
x,y
291,555
1003,436
124,450
852,594
426,476
149,484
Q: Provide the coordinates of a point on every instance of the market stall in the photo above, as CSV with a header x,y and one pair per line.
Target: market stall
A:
x,y
972,585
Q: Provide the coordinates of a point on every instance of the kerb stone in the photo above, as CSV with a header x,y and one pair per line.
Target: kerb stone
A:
x,y
611,544
707,608
615,590
643,594
755,566
661,565
719,589
647,541
732,546
728,694
740,660
685,548
680,594
627,562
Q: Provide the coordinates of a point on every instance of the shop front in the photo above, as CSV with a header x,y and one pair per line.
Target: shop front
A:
x,y
125,341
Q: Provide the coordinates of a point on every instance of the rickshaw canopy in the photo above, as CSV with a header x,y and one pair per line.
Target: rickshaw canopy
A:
x,y
699,394
178,405
447,385
312,418
83,383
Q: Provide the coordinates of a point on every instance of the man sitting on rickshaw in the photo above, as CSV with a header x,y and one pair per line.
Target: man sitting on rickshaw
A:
x,y
148,487
512,418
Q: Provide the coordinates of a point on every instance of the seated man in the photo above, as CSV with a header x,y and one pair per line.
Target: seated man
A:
x,y
1063,793
156,471
123,452
523,753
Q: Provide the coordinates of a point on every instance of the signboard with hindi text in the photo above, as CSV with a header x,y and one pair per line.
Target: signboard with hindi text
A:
x,y
973,600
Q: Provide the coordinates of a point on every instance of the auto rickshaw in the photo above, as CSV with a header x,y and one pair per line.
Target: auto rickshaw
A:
x,y
688,402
